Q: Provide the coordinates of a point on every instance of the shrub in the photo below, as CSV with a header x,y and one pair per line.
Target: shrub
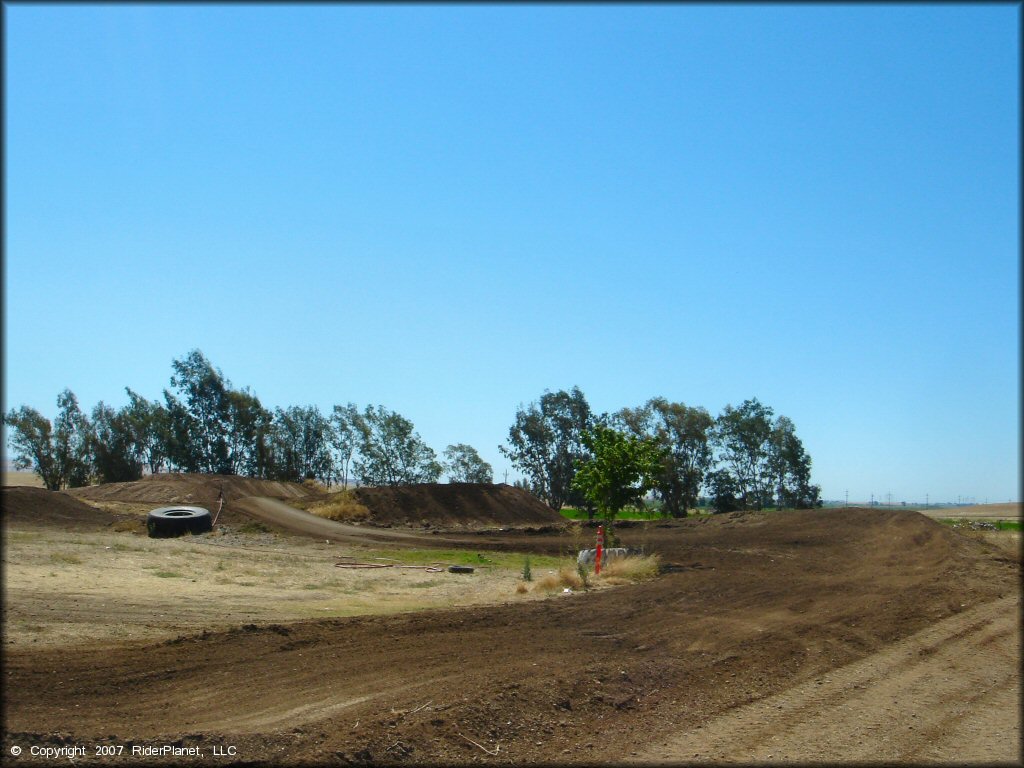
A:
x,y
564,577
633,568
342,507
527,574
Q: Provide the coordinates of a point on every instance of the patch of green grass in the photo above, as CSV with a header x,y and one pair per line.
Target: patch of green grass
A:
x,y
168,575
509,560
630,513
65,557
424,584
999,525
253,526
118,546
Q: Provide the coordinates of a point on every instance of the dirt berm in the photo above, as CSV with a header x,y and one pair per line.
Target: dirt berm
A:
x,y
25,505
456,505
199,490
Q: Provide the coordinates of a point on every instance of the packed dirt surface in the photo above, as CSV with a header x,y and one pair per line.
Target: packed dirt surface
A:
x,y
821,616
919,700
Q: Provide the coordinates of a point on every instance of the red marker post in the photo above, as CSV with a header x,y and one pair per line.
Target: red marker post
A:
x,y
600,546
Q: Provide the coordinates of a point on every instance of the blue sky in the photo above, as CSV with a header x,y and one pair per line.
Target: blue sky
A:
x,y
449,209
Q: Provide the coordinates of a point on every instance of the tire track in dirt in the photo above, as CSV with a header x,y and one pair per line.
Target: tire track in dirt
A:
x,y
278,513
947,693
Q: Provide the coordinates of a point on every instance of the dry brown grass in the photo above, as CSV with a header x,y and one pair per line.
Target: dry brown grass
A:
x,y
342,507
625,570
566,576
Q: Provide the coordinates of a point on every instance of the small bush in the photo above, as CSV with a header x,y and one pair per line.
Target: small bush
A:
x,y
341,507
313,485
521,588
581,571
632,568
565,577
527,574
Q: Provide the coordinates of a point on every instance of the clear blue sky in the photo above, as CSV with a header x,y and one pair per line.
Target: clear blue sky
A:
x,y
447,210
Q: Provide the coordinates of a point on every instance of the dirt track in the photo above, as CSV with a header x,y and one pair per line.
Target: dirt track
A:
x,y
755,606
921,699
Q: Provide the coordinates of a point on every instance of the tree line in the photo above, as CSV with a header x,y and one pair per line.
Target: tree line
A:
x,y
206,425
745,458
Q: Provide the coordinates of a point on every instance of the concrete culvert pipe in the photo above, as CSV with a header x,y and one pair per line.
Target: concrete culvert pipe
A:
x,y
166,522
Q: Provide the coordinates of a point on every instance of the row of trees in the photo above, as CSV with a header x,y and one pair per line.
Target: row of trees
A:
x,y
206,425
746,458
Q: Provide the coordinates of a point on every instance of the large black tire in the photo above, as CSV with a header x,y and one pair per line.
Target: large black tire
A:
x,y
166,522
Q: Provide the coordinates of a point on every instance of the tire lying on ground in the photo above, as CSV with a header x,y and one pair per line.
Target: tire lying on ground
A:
x,y
165,522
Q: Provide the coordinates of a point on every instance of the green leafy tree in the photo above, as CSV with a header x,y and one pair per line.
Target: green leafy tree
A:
x,y
30,434
249,430
72,438
201,425
546,442
117,448
724,490
682,434
345,420
464,465
742,437
150,423
791,468
302,440
391,452
60,453
622,467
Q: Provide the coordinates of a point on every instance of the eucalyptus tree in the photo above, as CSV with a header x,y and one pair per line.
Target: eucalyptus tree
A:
x,y
391,452
681,432
546,442
464,465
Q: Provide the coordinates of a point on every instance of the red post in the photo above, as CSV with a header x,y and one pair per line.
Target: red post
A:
x,y
600,546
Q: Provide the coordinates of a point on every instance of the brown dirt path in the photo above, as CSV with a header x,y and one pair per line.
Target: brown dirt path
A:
x,y
949,693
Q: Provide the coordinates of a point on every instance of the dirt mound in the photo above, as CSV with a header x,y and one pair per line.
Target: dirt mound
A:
x,y
198,490
456,505
25,505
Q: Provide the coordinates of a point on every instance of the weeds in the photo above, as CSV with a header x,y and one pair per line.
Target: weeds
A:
x,y
342,506
527,574
66,557
253,526
581,571
632,568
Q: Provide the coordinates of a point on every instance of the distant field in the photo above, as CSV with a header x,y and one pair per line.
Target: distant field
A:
x,y
1009,511
20,478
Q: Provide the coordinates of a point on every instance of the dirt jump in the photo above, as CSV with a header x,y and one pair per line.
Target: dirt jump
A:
x,y
810,636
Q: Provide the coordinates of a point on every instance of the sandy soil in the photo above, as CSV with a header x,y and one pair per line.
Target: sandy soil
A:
x,y
879,632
